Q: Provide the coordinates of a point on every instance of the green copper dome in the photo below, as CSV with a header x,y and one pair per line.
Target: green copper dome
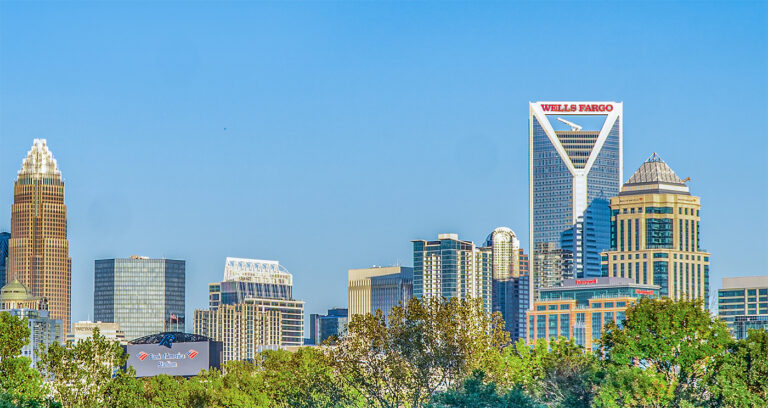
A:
x,y
15,291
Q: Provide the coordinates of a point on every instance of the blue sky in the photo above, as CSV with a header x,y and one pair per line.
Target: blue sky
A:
x,y
327,135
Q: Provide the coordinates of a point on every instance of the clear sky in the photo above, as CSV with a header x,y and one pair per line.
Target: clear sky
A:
x,y
327,135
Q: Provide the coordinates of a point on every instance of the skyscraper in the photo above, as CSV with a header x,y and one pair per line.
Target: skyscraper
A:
x,y
251,309
450,267
510,280
378,288
144,296
655,234
573,173
38,251
4,238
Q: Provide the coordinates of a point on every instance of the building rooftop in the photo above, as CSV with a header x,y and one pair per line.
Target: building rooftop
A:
x,y
654,176
15,291
598,282
39,160
378,271
746,282
170,337
256,270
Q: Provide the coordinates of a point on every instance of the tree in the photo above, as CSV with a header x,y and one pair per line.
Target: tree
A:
x,y
476,393
302,379
124,391
629,386
558,373
741,378
20,384
240,387
424,346
677,342
81,373
164,391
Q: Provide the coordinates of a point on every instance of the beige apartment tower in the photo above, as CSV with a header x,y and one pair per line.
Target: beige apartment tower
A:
x,y
243,328
38,251
655,234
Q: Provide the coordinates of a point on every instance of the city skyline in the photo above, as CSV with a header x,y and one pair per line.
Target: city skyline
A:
x,y
185,174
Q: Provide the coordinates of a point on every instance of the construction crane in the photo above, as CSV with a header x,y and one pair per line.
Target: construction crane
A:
x,y
574,127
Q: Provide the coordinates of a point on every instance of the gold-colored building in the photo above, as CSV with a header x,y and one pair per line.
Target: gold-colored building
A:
x,y
655,235
580,308
243,328
379,287
38,251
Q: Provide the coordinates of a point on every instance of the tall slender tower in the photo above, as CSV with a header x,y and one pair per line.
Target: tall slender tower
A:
x,y
573,175
510,280
38,251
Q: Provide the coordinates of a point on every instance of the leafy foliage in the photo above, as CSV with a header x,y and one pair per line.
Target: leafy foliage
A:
x,y
475,392
425,346
20,384
434,353
82,372
678,342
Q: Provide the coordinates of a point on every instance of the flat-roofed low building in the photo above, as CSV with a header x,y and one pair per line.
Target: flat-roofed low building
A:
x,y
84,330
743,303
581,307
322,327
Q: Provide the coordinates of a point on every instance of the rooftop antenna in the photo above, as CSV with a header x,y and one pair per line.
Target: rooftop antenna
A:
x,y
574,127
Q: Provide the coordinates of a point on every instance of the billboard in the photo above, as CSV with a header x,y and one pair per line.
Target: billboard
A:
x,y
175,359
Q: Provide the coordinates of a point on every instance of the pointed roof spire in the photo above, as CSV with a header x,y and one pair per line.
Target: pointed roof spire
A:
x,y
39,160
654,176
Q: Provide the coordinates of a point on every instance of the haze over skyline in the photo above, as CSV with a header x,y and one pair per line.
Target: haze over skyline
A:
x,y
328,135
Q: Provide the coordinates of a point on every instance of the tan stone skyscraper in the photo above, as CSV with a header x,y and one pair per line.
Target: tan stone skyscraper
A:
x,y
38,251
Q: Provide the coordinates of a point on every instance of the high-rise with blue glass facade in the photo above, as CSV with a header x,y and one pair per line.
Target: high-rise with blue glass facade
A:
x,y
144,296
4,238
573,174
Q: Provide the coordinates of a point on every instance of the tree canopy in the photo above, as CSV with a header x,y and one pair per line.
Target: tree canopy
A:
x,y
427,353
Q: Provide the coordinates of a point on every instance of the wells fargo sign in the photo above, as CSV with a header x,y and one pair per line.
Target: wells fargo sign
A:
x,y
577,107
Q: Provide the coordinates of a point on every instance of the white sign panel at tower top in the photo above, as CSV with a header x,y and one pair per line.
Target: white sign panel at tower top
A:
x,y
577,108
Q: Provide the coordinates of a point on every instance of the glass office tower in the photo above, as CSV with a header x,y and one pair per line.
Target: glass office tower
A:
x,y
573,174
144,296
4,238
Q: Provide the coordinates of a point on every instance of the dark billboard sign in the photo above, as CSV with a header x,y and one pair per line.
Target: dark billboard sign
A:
x,y
174,359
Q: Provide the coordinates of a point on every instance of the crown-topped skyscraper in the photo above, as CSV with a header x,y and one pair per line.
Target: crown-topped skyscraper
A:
x,y
38,251
655,236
